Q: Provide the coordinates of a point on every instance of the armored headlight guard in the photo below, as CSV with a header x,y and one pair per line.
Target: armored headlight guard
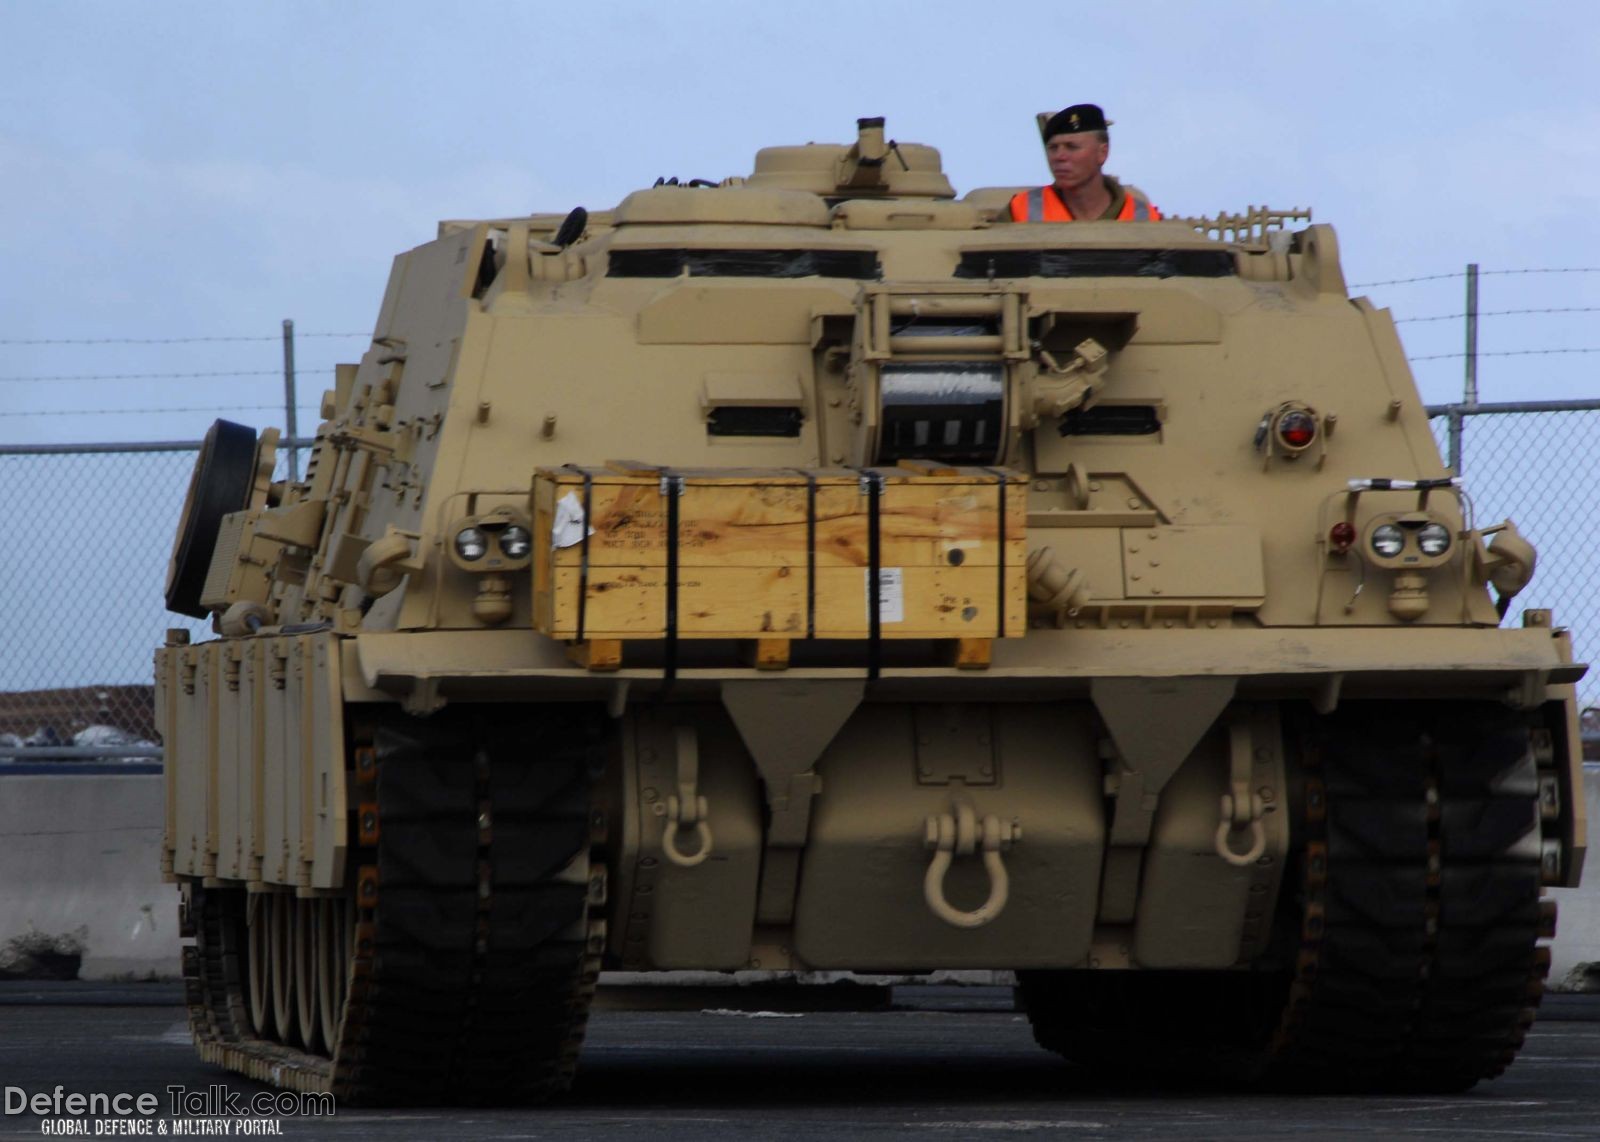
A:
x,y
491,543
1407,541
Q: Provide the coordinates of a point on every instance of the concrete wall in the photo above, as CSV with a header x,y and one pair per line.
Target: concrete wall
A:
x,y
1578,909
84,852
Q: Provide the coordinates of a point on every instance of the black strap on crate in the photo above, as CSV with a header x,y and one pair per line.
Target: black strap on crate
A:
x,y
811,551
872,484
583,549
671,490
1001,480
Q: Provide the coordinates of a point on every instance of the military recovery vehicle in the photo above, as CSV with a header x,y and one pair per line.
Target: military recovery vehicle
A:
x,y
813,570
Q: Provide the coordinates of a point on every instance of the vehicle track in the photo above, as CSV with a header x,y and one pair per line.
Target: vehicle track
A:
x,y
1416,964
476,938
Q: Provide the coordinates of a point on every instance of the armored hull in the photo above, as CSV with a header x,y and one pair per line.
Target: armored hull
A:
x,y
812,571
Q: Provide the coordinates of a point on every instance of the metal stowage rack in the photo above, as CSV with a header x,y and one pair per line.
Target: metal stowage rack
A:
x,y
1251,227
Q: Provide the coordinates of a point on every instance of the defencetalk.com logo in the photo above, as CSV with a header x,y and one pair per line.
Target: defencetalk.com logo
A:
x,y
213,1112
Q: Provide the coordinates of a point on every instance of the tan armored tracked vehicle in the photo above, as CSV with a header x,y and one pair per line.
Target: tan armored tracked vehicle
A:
x,y
807,572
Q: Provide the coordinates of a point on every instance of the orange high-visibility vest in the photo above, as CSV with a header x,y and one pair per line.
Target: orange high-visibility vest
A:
x,y
1044,204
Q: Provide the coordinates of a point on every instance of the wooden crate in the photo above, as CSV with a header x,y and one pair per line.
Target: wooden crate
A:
x,y
780,553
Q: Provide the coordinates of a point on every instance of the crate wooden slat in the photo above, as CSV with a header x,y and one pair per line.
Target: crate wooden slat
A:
x,y
743,557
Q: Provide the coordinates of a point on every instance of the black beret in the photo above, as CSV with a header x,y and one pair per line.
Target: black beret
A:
x,y
1077,118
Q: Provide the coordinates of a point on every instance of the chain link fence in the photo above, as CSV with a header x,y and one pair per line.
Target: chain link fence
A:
x,y
89,530
89,535
1533,463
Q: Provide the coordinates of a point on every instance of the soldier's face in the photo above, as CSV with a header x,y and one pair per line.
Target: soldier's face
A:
x,y
1076,159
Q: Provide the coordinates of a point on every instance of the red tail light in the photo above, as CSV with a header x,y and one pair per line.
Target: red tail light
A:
x,y
1297,428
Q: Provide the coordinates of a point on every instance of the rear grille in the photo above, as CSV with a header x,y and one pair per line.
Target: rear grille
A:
x,y
1096,264
858,264
1112,420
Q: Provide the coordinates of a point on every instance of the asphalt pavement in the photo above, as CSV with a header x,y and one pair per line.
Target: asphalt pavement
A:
x,y
941,1063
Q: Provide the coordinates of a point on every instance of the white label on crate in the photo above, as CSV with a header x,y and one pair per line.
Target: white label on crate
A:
x,y
567,527
891,595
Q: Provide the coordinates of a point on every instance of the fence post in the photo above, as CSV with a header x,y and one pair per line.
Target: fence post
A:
x,y
290,428
1455,419
1471,395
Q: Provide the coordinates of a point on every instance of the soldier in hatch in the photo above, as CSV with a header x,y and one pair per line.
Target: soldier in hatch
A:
x,y
1077,142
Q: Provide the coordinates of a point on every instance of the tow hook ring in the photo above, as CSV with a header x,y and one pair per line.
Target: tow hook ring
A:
x,y
669,838
1258,832
949,835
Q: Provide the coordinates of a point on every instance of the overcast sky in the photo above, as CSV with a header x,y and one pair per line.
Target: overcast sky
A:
x,y
182,170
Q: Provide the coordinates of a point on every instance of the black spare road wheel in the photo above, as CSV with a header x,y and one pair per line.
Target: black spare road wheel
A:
x,y
219,484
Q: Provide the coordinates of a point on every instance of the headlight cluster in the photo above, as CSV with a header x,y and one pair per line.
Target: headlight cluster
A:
x,y
492,542
472,542
1410,539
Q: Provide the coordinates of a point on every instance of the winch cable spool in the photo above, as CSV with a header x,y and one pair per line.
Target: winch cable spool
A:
x,y
960,399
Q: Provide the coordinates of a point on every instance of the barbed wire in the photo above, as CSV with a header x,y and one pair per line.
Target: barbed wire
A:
x,y
1504,353
193,340
157,376
1408,281
1543,270
163,340
1504,313
152,411
1481,274
196,340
